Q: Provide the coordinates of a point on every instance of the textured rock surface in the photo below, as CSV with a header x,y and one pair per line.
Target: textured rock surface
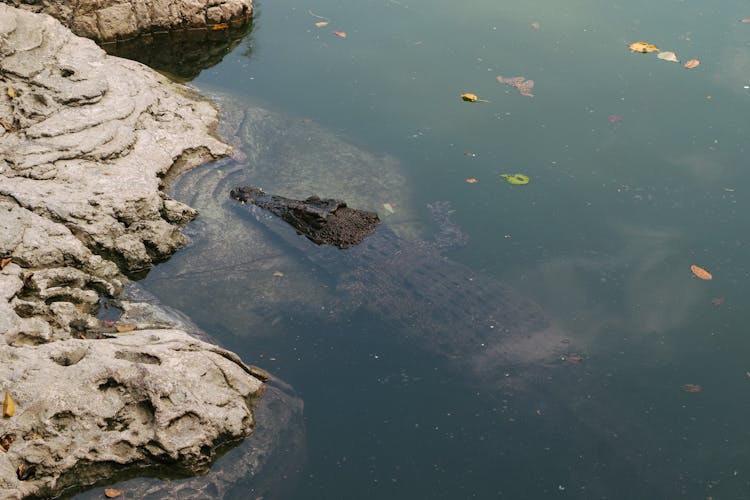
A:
x,y
109,20
85,141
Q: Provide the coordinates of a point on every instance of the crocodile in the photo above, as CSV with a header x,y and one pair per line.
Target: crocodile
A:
x,y
485,325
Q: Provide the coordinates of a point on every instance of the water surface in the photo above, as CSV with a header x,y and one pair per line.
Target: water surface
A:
x,y
602,238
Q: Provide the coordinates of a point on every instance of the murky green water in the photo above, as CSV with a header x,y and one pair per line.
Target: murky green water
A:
x,y
638,169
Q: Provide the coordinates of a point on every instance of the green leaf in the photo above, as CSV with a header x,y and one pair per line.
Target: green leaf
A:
x,y
516,179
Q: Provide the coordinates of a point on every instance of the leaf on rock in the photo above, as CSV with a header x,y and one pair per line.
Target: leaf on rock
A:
x,y
9,406
643,47
668,56
523,85
7,126
700,272
4,262
5,441
321,24
692,63
12,92
112,493
220,26
124,328
516,179
692,388
340,34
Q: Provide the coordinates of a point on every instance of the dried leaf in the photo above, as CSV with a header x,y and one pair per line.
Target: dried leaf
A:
x,y
340,34
668,56
124,328
220,26
278,274
535,25
471,180
112,493
7,126
700,272
516,179
692,63
472,98
4,262
9,406
523,85
692,388
320,24
11,92
388,208
643,47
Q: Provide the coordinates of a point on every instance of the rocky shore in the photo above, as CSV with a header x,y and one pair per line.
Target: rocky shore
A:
x,y
86,141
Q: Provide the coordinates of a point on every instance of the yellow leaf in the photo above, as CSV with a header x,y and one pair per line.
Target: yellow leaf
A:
x,y
668,56
472,98
643,47
320,24
692,63
11,92
125,328
112,493
220,26
9,407
700,272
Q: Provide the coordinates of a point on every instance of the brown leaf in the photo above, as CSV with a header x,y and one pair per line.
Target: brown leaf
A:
x,y
692,63
471,180
7,126
124,328
4,262
112,493
692,388
220,26
700,272
340,34
9,406
523,85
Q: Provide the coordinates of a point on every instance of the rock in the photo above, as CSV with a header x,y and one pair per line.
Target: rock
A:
x,y
111,20
86,141
146,397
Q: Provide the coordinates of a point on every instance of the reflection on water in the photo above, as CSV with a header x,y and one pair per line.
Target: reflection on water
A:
x,y
602,238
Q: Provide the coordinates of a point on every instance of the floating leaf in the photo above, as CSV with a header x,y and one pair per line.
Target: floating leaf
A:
x,y
472,98
4,262
692,63
124,328
573,360
700,272
278,274
340,34
320,24
746,20
516,179
220,26
535,25
523,85
471,180
614,118
668,56
9,406
643,47
11,92
692,388
389,208
112,493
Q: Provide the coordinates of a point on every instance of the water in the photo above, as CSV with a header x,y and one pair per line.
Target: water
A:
x,y
602,238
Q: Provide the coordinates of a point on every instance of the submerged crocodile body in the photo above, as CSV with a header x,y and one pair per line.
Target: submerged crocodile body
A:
x,y
484,325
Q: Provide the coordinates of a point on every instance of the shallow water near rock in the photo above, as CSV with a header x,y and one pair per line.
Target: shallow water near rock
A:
x,y
602,238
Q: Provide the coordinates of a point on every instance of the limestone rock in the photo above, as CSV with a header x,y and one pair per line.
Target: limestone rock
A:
x,y
92,137
150,396
109,20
